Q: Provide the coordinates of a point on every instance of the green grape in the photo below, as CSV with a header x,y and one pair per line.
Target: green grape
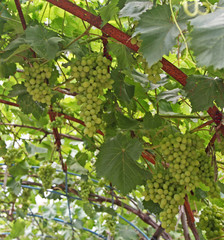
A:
x,y
92,81
46,174
11,155
187,160
153,72
36,83
110,223
24,200
58,122
164,190
86,187
212,221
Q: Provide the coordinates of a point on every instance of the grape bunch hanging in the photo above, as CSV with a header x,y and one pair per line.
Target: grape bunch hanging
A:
x,y
153,72
92,80
188,165
36,82
212,221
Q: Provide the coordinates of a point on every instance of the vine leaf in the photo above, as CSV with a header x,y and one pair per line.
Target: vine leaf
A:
x,y
18,89
117,162
152,122
28,105
203,91
19,169
32,149
15,186
158,32
125,122
18,228
107,12
42,41
124,91
170,95
208,39
126,232
152,207
134,9
122,53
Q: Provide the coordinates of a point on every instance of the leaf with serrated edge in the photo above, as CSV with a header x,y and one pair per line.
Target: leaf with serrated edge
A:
x,y
158,32
208,39
204,91
117,162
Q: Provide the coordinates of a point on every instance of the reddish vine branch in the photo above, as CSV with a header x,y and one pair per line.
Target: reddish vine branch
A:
x,y
41,130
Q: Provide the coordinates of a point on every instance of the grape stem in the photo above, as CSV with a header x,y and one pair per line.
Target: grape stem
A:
x,y
41,130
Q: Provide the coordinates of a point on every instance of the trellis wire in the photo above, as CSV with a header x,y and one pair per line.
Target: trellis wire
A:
x,y
80,199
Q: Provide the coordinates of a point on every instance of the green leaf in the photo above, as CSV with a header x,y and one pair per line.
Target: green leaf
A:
x,y
122,53
203,91
76,167
123,90
44,42
18,89
125,122
208,39
7,69
15,186
107,12
200,194
158,32
18,228
134,9
32,149
170,96
15,47
78,224
117,161
140,78
19,169
49,211
221,186
88,209
151,122
126,232
28,106
152,207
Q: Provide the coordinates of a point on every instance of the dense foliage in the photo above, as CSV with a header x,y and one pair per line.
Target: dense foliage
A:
x,y
101,136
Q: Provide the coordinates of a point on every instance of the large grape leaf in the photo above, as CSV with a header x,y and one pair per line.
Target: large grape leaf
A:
x,y
28,105
107,12
158,32
203,91
134,9
208,39
44,42
117,162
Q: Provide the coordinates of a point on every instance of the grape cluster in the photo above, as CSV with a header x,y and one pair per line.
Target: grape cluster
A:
x,y
58,122
181,153
153,72
212,221
92,77
136,40
24,200
46,174
188,163
62,108
206,175
11,155
86,187
164,190
37,82
110,223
